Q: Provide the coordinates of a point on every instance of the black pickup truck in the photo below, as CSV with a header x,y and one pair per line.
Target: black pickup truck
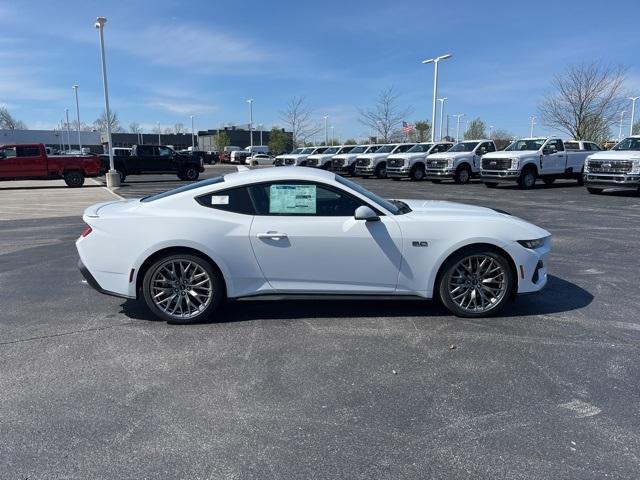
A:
x,y
151,159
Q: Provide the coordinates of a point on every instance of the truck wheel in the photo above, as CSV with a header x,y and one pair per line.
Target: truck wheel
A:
x,y
581,178
528,178
462,175
549,181
595,191
491,184
352,170
327,166
189,174
74,179
122,173
417,173
381,170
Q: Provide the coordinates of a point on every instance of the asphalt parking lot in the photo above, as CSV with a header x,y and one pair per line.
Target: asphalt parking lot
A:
x,y
94,387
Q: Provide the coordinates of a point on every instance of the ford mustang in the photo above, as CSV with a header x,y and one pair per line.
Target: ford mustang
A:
x,y
291,231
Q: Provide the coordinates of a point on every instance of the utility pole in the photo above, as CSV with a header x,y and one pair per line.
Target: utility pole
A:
x,y
458,125
75,87
250,102
621,122
441,100
633,113
435,61
193,137
326,134
159,139
533,122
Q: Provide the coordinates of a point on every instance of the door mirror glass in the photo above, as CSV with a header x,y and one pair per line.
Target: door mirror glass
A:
x,y
365,213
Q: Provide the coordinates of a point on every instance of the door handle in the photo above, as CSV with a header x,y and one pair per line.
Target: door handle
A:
x,y
272,235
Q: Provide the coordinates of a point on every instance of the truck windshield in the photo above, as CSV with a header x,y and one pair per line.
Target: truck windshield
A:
x,y
306,151
359,149
464,147
332,150
533,145
420,147
386,149
628,144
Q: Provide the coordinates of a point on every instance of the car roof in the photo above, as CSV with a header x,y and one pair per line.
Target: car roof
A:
x,y
277,173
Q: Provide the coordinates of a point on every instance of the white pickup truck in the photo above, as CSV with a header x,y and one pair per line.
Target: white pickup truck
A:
x,y
323,160
412,164
297,159
529,159
346,162
460,163
376,163
618,168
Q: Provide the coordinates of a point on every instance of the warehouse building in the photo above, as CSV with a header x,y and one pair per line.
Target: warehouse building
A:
x,y
57,140
238,136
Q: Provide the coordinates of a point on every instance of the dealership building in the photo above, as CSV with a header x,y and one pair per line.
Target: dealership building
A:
x,y
58,140
238,136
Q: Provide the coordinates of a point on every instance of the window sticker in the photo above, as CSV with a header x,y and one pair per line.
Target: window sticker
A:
x,y
292,199
220,200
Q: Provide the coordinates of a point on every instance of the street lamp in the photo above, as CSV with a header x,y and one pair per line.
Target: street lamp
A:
x,y
435,61
633,113
458,125
66,110
250,102
193,138
113,177
621,122
326,135
332,136
490,131
260,127
75,87
441,100
533,122
158,125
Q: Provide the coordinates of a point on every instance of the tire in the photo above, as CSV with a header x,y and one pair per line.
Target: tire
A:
x,y
381,171
491,184
528,178
485,290
436,181
352,170
74,179
462,175
549,181
327,166
199,296
189,174
303,164
417,173
123,174
594,190
580,179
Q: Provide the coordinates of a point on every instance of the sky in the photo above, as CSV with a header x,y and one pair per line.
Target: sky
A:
x,y
167,59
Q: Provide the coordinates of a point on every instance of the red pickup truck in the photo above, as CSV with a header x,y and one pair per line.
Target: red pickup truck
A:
x,y
30,161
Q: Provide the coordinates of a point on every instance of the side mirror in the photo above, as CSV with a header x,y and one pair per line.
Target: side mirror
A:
x,y
365,213
549,150
482,151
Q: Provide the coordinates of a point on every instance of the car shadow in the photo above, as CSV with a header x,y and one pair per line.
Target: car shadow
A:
x,y
558,297
46,187
620,193
541,186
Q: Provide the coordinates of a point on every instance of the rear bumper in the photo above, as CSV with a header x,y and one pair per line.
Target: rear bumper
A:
x,y
93,283
612,180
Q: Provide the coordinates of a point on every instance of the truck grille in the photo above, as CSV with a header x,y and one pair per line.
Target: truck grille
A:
x,y
610,166
290,161
437,163
362,162
279,162
496,163
338,162
395,162
312,162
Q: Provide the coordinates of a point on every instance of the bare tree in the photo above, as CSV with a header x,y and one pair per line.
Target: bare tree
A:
x,y
586,101
502,138
168,131
101,122
134,127
475,130
298,118
8,122
385,116
179,128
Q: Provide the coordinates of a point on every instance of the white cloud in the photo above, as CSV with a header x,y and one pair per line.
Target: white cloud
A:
x,y
181,107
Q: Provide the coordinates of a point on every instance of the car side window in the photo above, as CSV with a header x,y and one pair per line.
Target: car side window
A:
x,y
404,148
302,199
557,143
164,152
27,152
489,147
9,152
236,200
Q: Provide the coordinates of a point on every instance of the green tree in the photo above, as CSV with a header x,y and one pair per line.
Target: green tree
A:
x,y
350,141
220,141
423,130
636,128
278,141
475,130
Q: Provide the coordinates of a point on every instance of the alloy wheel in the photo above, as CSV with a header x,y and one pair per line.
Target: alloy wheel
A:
x,y
477,283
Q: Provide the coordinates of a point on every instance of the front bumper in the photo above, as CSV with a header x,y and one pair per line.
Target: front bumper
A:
x,y
532,268
398,172
502,175
368,170
434,174
612,180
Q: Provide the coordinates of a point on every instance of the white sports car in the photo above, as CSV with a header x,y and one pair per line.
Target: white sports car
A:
x,y
305,231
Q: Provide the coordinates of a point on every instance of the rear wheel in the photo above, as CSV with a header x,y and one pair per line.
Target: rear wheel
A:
x,y
475,282
417,172
74,179
528,178
189,174
381,170
594,190
462,175
182,288
491,184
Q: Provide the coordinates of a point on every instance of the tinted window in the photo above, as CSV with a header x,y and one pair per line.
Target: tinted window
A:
x,y
164,151
557,143
28,151
236,200
575,146
420,148
595,146
403,148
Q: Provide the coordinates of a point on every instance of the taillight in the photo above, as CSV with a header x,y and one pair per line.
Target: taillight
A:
x,y
87,230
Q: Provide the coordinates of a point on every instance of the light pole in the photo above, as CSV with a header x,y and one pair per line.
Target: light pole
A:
x,y
458,125
326,135
193,138
533,122
332,136
75,87
633,113
260,127
441,100
250,102
621,122
158,125
113,177
435,61
66,111
490,131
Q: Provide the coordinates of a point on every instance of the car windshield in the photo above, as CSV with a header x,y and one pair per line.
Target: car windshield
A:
x,y
346,149
306,150
529,144
464,147
420,147
628,144
184,188
296,151
385,149
359,149
394,206
332,150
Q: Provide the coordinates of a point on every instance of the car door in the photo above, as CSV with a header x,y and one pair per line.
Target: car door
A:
x,y
553,162
29,161
8,162
164,159
306,240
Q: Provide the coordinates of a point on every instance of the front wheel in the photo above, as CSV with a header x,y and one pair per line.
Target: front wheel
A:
x,y
417,173
122,173
182,288
462,175
475,282
189,174
381,171
74,179
595,191
352,170
528,178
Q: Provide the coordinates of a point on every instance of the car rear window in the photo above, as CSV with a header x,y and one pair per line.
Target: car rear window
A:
x,y
185,188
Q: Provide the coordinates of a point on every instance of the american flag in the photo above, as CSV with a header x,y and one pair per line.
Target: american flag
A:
x,y
407,128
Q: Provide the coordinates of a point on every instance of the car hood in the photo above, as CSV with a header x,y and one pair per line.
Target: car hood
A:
x,y
460,211
295,157
321,156
616,155
374,156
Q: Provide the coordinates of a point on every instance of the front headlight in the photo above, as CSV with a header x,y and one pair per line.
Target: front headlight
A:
x,y
586,164
450,162
533,244
635,169
515,163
